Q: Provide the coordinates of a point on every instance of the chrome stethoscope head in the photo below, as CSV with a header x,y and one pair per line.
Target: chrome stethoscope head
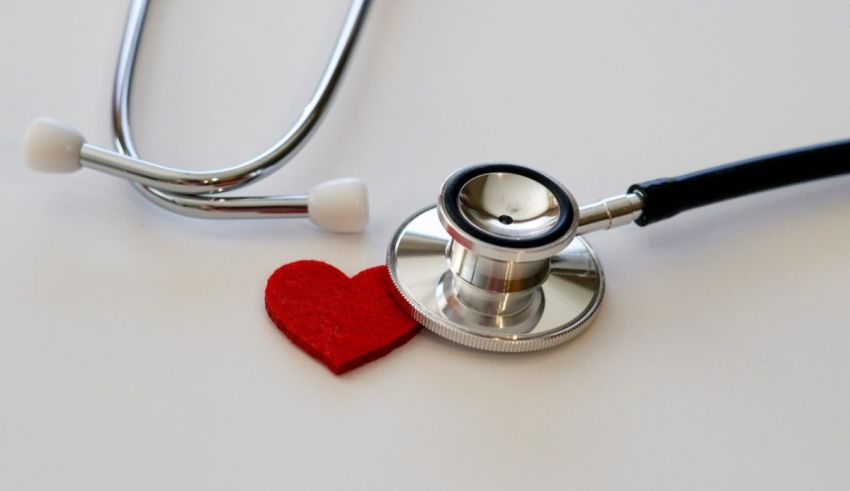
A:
x,y
507,212
496,264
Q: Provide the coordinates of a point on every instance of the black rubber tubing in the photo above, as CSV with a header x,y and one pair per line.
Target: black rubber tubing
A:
x,y
665,197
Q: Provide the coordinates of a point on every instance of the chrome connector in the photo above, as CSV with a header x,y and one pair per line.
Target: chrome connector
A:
x,y
609,213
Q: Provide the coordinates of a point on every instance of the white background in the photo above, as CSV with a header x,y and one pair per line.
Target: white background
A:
x,y
135,352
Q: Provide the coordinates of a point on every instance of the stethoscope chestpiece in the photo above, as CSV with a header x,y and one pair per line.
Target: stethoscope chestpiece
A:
x,y
507,211
495,265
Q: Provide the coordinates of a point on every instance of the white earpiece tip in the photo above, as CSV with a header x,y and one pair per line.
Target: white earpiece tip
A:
x,y
340,205
50,146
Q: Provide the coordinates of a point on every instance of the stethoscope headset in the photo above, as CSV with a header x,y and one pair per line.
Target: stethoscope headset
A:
x,y
339,205
498,264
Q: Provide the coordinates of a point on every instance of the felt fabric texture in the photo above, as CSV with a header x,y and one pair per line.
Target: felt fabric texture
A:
x,y
342,322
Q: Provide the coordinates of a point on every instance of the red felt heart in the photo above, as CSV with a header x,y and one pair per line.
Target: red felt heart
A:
x,y
342,322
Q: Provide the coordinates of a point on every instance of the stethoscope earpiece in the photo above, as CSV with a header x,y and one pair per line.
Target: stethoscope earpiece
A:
x,y
52,147
339,205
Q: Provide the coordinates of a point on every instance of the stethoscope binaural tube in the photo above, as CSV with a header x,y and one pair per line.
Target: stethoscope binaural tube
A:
x,y
339,205
499,265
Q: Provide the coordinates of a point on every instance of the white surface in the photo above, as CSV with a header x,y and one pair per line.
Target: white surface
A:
x,y
52,147
135,352
339,205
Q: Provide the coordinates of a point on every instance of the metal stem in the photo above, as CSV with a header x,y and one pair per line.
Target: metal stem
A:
x,y
233,207
609,212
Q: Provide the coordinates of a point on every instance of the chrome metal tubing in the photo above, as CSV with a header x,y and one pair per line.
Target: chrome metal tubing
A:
x,y
230,207
148,173
158,183
609,212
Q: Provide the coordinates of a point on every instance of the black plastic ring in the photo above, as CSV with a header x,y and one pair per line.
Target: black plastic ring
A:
x,y
451,199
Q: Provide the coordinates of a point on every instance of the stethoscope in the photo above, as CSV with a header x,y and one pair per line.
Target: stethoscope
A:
x,y
499,264
339,205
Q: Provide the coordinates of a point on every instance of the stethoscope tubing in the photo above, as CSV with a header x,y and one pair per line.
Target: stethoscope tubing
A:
x,y
666,197
192,193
